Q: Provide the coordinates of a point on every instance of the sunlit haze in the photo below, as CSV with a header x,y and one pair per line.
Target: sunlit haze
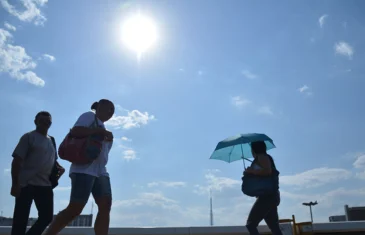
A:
x,y
139,33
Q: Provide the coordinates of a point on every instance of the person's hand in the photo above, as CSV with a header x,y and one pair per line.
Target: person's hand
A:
x,y
61,170
248,170
15,190
108,135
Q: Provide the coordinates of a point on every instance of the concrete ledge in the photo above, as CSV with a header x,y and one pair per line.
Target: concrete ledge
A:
x,y
318,228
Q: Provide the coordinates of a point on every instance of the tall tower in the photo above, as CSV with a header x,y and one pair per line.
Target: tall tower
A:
x,y
211,209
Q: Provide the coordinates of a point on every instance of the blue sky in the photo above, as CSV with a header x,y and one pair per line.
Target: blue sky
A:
x,y
291,70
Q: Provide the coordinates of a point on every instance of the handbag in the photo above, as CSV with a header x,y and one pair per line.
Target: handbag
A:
x,y
255,185
83,150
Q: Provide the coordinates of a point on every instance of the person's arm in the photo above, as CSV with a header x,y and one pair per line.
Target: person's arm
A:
x,y
265,169
19,154
15,170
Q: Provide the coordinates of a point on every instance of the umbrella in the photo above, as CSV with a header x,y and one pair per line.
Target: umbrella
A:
x,y
239,147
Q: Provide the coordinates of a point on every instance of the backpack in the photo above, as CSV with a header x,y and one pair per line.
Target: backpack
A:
x,y
83,150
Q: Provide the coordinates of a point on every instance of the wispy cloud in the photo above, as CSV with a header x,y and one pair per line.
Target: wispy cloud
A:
x,y
238,101
149,199
169,184
9,26
344,49
126,139
216,183
322,20
305,90
266,110
248,74
316,177
133,119
49,57
129,154
32,12
360,164
16,62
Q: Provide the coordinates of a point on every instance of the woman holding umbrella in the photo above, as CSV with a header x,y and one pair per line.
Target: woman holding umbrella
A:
x,y
266,206
260,180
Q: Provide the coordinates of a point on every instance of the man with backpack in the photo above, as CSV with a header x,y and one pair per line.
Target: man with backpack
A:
x,y
35,172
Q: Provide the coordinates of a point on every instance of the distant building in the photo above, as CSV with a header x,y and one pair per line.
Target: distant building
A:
x,y
80,221
354,213
337,218
9,221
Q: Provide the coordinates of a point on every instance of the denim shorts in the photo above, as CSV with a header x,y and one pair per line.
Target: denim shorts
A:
x,y
82,185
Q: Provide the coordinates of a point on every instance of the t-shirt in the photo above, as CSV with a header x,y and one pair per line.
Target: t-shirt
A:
x,y
38,155
98,166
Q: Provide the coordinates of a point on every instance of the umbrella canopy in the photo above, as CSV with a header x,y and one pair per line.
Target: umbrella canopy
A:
x,y
239,147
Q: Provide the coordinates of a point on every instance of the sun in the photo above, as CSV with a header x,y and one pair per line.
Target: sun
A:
x,y
139,33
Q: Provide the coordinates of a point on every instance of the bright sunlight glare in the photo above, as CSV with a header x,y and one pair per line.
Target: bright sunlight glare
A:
x,y
139,33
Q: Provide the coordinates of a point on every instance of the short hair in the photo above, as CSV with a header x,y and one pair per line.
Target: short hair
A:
x,y
258,147
42,113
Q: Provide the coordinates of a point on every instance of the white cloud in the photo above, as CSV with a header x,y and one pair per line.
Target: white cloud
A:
x,y
169,184
305,90
249,74
9,26
239,101
32,12
126,139
315,177
216,183
343,48
133,119
150,199
266,110
154,209
16,62
322,20
129,154
49,57
360,164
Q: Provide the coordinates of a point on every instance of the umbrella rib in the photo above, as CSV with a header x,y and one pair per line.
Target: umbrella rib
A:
x,y
230,154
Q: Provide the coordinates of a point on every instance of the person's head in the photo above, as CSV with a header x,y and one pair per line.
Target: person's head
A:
x,y
104,109
257,148
43,120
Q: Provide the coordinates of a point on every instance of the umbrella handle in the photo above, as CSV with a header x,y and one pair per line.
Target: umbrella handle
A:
x,y
243,159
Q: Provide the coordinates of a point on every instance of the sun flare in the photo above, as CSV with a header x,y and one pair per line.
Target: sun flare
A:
x,y
139,33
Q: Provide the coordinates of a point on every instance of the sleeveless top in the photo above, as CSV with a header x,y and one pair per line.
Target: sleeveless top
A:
x,y
274,174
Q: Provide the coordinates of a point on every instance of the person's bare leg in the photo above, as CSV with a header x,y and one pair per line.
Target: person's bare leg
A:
x,y
64,218
102,220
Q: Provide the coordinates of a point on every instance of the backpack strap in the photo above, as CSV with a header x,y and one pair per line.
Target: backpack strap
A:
x,y
54,145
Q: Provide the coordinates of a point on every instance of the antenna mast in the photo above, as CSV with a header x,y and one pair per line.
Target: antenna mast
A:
x,y
211,209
